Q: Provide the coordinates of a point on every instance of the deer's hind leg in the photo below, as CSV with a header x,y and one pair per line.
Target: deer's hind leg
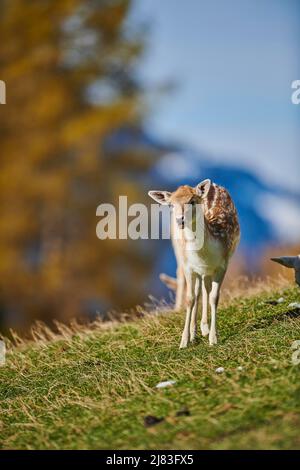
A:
x,y
214,301
181,289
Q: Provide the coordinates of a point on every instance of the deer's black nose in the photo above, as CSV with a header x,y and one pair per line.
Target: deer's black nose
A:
x,y
180,221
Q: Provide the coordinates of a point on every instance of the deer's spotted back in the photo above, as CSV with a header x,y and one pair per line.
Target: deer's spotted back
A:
x,y
221,216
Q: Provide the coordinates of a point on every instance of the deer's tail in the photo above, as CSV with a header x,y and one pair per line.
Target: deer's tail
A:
x,y
170,282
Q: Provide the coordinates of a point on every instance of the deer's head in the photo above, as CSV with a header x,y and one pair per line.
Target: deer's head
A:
x,y
184,201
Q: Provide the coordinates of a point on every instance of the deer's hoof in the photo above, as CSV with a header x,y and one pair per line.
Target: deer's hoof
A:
x,y
213,340
183,344
204,329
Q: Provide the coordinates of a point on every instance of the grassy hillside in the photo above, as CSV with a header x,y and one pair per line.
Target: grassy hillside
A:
x,y
94,388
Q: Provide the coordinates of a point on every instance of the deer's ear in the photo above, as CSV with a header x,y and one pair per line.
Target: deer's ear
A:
x,y
202,189
162,197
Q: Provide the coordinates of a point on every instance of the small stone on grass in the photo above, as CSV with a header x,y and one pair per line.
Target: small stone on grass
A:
x,y
167,383
294,305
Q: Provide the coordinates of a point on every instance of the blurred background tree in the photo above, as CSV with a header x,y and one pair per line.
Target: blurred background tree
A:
x,y
69,72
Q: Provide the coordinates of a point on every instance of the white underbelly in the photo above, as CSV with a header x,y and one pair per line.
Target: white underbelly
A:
x,y
207,260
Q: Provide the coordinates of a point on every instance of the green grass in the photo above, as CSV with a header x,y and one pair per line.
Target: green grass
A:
x,y
93,389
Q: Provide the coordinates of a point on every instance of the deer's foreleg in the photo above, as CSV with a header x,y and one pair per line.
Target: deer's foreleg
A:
x,y
206,288
191,298
194,315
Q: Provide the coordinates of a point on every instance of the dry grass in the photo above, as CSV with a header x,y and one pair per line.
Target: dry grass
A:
x,y
241,287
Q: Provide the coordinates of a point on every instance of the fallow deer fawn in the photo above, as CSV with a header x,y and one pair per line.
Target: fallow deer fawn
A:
x,y
205,263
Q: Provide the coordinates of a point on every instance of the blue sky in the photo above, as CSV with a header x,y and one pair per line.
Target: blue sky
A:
x,y
233,62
